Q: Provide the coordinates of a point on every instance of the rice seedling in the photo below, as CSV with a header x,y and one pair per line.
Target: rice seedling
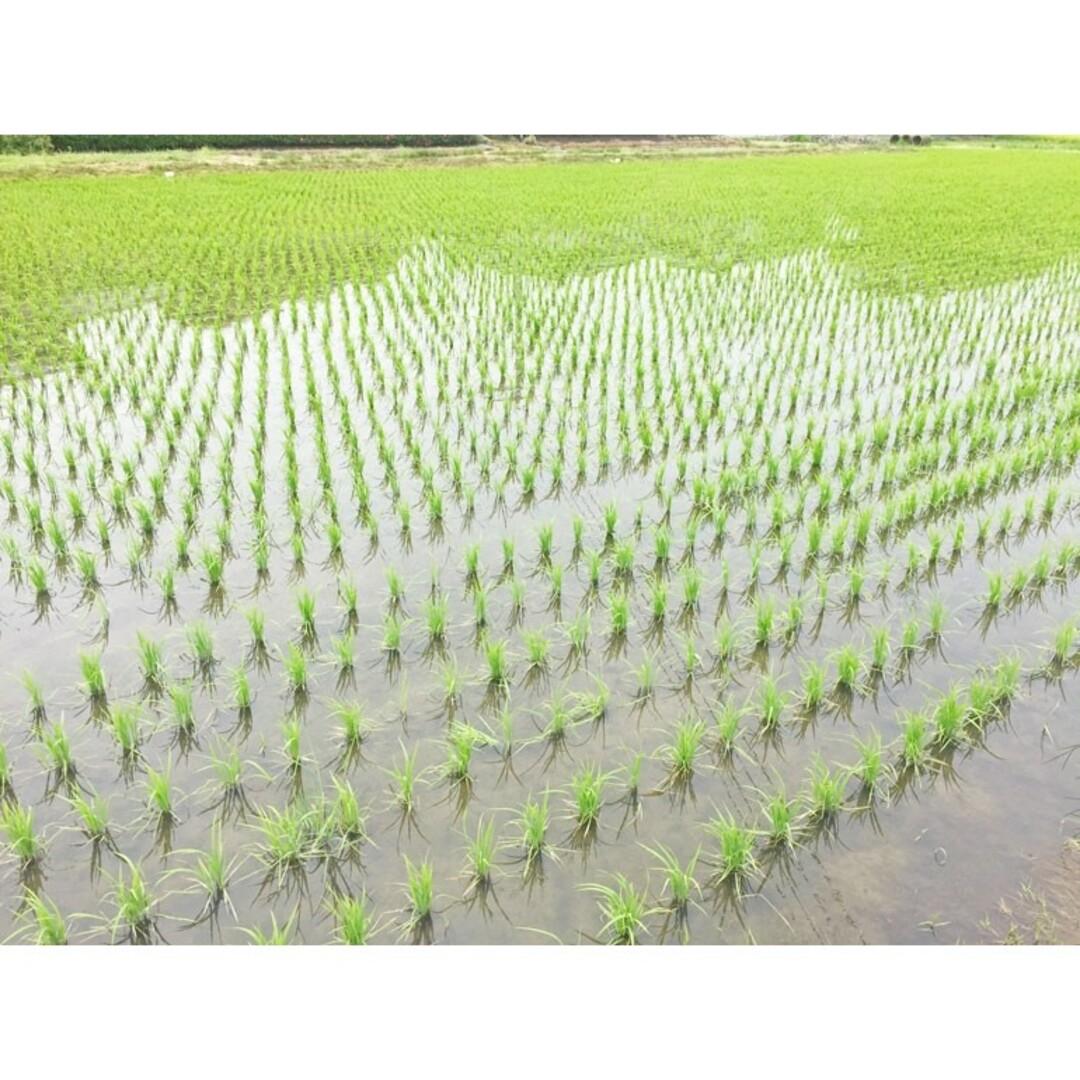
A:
x,y
461,743
213,564
914,743
211,875
587,799
949,719
278,935
647,675
420,892
24,844
771,706
349,595
291,750
780,819
1063,647
879,651
159,796
297,677
825,798
354,921
480,854
619,613
45,925
680,886
134,920
59,756
611,520
683,752
307,634
87,569
183,710
437,619
764,622
347,817
93,814
36,708
538,651
692,582
125,722
405,778
793,620
7,789
533,823
290,839
726,731
909,640
935,623
736,863
624,910
39,581
343,652
578,632
203,657
155,674
849,667
555,587
872,771
498,667
812,697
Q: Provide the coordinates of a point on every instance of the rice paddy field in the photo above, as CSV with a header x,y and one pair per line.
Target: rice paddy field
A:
x,y
649,551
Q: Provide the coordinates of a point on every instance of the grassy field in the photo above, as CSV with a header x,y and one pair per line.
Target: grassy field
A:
x,y
627,548
224,244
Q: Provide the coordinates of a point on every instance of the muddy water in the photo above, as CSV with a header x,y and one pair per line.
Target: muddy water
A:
x,y
924,863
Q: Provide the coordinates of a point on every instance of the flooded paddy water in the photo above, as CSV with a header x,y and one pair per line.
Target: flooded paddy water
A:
x,y
473,608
